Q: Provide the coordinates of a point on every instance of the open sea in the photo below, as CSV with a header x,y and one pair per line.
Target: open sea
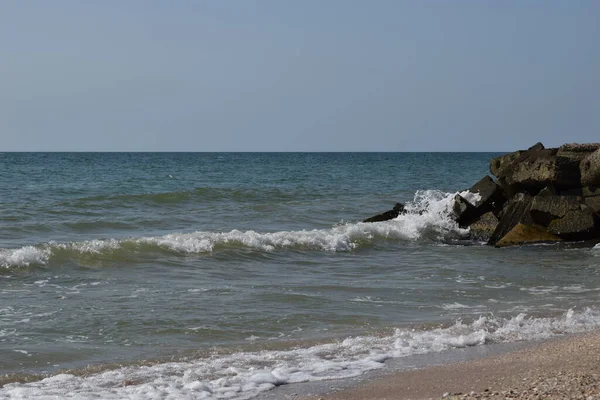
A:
x,y
224,275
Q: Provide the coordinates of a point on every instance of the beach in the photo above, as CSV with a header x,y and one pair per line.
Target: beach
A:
x,y
565,368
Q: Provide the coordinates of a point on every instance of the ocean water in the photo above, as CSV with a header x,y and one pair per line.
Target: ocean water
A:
x,y
223,275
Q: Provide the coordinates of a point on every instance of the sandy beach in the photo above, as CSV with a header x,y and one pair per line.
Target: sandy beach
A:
x,y
566,368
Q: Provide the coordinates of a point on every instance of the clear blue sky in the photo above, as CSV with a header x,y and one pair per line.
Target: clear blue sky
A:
x,y
302,75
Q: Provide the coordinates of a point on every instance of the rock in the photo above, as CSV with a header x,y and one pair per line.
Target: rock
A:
x,y
481,198
579,147
498,164
521,234
464,212
536,147
489,192
593,203
578,224
590,191
515,211
533,173
590,169
577,151
544,209
484,226
386,216
532,170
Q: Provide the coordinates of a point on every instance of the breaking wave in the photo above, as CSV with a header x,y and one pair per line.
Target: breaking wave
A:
x,y
246,374
428,218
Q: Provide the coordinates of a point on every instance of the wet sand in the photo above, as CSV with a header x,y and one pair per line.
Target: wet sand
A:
x,y
566,368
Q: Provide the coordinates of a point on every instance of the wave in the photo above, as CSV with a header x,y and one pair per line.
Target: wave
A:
x,y
244,375
428,218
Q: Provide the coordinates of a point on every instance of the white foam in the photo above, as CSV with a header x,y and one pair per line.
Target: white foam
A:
x,y
24,256
454,306
472,198
431,212
428,217
245,375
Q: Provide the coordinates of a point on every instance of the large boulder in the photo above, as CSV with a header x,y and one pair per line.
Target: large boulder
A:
x,y
590,169
483,227
523,234
386,216
539,169
516,211
498,164
593,203
545,209
577,150
578,224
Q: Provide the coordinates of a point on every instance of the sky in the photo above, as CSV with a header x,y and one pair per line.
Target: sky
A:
x,y
302,75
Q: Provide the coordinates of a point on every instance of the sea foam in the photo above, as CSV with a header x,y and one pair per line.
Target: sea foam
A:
x,y
246,374
428,217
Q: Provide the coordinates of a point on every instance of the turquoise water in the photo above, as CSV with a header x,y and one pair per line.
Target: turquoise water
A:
x,y
251,270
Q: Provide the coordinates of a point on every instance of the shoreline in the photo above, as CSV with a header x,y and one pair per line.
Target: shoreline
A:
x,y
558,368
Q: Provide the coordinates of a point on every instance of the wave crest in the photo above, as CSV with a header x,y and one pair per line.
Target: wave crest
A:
x,y
428,218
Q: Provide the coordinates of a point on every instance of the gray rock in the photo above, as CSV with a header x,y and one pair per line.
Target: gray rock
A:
x,y
590,169
577,151
537,170
515,211
579,147
483,227
590,191
527,234
544,209
575,225
593,203
498,164
386,216
536,147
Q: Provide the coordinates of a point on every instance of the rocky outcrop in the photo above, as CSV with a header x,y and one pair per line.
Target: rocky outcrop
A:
x,y
386,216
539,195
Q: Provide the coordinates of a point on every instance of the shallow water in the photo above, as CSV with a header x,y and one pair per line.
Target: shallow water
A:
x,y
248,271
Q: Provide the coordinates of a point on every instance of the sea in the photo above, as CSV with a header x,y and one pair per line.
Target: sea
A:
x,y
226,275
